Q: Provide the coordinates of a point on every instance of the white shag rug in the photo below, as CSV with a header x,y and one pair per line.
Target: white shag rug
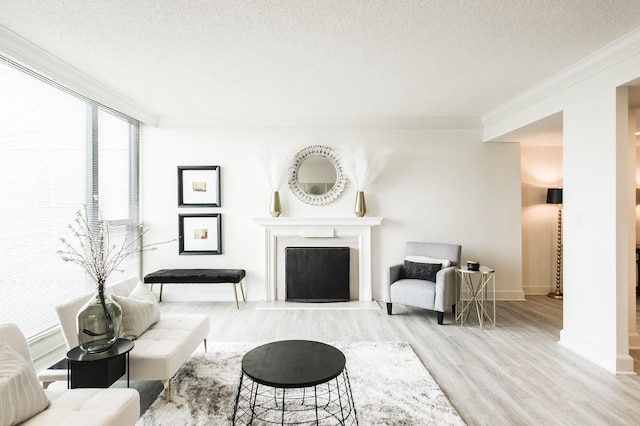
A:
x,y
390,386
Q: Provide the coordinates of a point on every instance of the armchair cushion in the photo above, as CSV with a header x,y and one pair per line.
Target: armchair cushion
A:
x,y
426,259
140,310
21,395
420,271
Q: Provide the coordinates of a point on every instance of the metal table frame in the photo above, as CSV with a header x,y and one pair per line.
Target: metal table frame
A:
x,y
470,294
294,383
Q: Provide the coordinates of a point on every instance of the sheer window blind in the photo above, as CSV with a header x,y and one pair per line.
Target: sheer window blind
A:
x,y
57,150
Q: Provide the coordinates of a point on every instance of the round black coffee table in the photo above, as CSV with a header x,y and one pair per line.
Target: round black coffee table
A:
x,y
294,382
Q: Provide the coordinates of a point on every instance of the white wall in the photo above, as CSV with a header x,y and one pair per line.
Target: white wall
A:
x,y
541,169
637,186
439,185
599,262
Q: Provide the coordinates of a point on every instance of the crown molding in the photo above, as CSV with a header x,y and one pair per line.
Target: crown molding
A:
x,y
599,61
41,61
324,122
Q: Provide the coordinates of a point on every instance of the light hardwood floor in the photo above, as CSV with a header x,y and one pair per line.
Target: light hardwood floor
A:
x,y
513,374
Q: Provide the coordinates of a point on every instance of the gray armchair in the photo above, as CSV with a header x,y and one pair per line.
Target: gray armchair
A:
x,y
423,282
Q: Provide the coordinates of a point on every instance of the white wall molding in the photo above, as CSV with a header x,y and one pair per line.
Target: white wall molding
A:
x,y
36,58
510,295
634,340
601,60
323,122
537,290
591,350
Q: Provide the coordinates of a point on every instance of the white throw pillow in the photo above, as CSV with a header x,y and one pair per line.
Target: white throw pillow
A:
x,y
140,310
425,259
21,395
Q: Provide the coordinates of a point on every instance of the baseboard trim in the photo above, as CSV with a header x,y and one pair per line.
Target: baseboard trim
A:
x,y
281,304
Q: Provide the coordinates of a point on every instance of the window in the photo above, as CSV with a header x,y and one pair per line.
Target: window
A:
x,y
57,150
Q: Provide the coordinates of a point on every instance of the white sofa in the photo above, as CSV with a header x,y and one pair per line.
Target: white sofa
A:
x,y
158,352
21,395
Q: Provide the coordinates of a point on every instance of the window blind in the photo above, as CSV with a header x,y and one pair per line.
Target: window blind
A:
x,y
57,150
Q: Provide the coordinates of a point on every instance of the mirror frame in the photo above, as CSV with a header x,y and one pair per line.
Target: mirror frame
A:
x,y
334,159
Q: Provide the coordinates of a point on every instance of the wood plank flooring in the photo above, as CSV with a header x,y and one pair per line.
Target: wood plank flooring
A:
x,y
513,374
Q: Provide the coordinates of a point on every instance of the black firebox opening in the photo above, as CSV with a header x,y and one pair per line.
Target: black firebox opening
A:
x,y
317,274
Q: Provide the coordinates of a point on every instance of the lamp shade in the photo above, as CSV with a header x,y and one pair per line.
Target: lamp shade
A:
x,y
554,196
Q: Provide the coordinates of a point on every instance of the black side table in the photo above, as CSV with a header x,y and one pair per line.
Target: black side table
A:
x,y
294,382
100,370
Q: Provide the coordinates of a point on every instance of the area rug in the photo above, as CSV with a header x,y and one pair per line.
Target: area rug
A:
x,y
389,383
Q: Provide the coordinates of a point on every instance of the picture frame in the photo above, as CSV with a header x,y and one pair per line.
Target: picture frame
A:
x,y
200,233
198,186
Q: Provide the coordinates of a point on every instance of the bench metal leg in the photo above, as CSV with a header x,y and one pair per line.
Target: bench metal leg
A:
x,y
242,290
235,293
161,286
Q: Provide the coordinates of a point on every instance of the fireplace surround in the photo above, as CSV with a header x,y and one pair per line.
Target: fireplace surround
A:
x,y
353,232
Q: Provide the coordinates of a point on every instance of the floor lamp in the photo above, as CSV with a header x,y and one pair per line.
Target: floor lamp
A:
x,y
554,196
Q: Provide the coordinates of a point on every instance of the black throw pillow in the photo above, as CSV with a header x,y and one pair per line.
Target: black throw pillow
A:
x,y
420,271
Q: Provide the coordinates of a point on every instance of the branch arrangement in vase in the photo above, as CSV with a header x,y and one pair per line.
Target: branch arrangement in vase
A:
x,y
94,251
362,167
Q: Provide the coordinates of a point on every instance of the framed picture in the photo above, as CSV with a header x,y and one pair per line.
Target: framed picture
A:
x,y
199,233
198,186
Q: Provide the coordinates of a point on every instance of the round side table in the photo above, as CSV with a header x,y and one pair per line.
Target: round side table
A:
x,y
473,292
99,370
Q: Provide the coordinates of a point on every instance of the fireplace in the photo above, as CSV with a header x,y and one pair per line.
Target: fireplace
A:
x,y
317,274
352,232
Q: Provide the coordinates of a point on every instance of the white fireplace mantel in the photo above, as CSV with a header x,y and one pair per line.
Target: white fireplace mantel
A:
x,y
319,227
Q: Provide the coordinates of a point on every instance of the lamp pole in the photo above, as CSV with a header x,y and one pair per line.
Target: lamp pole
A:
x,y
554,196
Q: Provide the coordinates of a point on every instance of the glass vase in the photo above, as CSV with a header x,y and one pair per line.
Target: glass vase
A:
x,y
99,323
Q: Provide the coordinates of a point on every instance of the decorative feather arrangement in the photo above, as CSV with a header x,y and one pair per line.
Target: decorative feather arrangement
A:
x,y
363,167
275,165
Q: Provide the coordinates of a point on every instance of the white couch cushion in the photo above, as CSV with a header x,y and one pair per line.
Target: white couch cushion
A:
x,y
21,395
140,310
104,407
165,346
123,287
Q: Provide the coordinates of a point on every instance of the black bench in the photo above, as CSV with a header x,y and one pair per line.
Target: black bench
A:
x,y
198,276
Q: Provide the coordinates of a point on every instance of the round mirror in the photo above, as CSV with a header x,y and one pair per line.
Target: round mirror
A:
x,y
316,175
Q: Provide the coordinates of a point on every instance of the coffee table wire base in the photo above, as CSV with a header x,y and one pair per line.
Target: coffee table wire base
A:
x,y
329,403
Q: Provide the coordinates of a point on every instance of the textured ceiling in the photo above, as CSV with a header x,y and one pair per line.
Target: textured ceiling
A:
x,y
325,58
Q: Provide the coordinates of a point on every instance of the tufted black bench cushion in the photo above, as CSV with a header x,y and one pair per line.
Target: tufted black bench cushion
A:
x,y
197,276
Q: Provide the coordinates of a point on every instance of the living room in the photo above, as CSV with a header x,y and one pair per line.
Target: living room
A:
x,y
454,172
